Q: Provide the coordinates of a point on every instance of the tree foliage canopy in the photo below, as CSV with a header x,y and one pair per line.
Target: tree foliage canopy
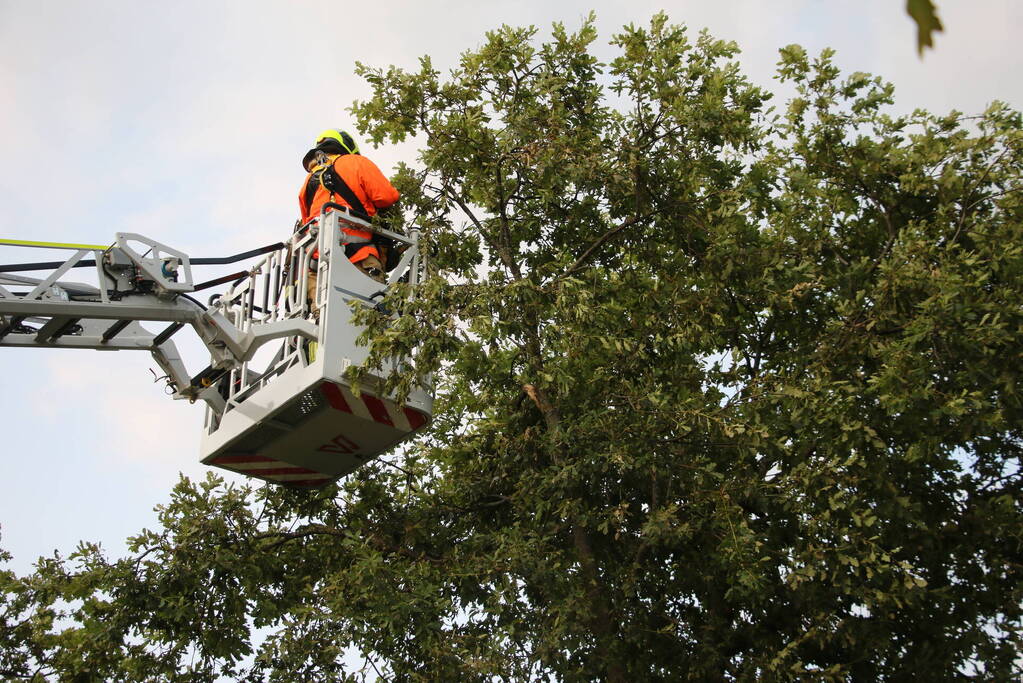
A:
x,y
724,392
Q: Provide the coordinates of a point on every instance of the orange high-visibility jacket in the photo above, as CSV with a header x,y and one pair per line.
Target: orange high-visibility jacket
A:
x,y
366,181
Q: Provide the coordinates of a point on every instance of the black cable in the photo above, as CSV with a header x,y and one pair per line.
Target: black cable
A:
x,y
114,294
85,263
197,303
237,277
214,261
46,265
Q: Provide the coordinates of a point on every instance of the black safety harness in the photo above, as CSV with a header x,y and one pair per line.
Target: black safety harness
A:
x,y
335,184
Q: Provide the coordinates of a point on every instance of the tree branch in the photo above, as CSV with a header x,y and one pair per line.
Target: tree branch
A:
x,y
601,241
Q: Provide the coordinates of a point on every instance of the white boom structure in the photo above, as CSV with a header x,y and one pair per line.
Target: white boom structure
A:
x,y
296,421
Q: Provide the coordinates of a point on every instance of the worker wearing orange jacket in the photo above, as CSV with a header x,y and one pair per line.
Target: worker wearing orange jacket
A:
x,y
338,173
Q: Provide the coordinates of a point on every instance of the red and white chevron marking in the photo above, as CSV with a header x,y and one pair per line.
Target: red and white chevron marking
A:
x,y
340,398
372,408
275,471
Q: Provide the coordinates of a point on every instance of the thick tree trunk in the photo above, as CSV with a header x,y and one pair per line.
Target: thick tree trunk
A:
x,y
601,618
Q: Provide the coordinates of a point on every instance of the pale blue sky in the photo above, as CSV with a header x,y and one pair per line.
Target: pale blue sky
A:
x,y
187,121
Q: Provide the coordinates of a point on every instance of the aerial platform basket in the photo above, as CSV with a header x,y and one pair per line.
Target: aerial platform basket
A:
x,y
297,421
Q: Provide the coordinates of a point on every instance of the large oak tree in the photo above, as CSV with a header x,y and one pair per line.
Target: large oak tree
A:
x,y
724,392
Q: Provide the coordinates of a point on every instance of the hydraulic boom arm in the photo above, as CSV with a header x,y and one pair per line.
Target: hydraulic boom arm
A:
x,y
135,287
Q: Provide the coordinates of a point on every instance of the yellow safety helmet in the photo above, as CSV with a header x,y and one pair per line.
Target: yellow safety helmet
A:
x,y
346,140
331,141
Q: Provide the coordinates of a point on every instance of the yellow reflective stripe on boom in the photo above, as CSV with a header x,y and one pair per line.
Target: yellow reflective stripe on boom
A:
x,y
54,245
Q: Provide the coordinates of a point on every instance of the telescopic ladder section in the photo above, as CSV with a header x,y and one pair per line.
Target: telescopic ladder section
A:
x,y
296,421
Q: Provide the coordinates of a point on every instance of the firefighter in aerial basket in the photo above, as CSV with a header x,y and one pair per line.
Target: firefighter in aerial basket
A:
x,y
339,174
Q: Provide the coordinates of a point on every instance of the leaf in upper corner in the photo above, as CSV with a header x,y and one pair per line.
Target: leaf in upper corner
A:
x,y
924,13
